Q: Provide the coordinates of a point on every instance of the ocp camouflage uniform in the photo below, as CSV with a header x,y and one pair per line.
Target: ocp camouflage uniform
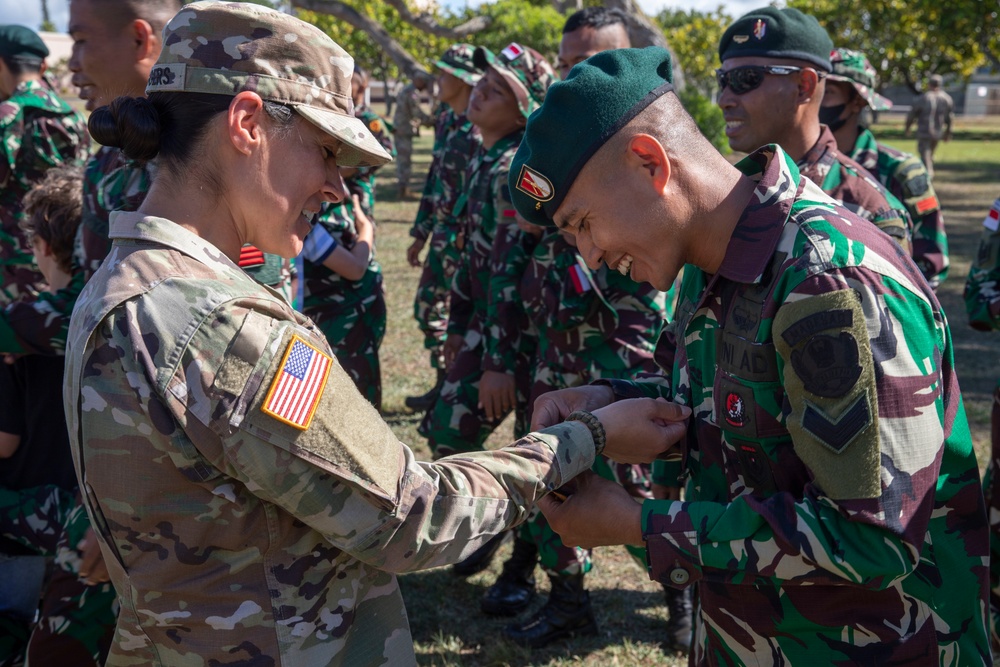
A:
x,y
279,543
455,423
350,313
982,303
590,325
38,131
846,181
76,621
456,141
833,505
407,119
907,179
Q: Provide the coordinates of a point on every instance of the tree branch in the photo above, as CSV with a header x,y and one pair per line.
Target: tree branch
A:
x,y
404,61
426,22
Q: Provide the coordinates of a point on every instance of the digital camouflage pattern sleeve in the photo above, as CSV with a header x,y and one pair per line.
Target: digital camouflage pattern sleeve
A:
x,y
247,424
829,457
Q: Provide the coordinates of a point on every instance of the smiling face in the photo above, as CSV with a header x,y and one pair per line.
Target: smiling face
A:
x,y
280,203
764,115
108,57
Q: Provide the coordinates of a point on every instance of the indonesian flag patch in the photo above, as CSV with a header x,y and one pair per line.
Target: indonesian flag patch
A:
x,y
992,220
533,184
513,51
581,283
298,386
927,204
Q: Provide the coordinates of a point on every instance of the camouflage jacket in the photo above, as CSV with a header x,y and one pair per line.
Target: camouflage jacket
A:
x,y
111,182
906,178
268,515
982,288
456,141
38,131
846,181
39,325
594,323
833,490
409,115
326,292
480,211
363,182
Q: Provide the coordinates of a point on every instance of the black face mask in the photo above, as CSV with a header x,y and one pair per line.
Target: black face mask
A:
x,y
830,116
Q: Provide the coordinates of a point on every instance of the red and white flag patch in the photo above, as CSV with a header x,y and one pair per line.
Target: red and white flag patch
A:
x,y
298,386
580,280
992,220
513,51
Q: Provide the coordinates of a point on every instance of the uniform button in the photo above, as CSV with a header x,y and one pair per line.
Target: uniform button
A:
x,y
679,576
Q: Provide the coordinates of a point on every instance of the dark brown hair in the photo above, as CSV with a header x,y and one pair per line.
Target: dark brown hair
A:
x,y
53,211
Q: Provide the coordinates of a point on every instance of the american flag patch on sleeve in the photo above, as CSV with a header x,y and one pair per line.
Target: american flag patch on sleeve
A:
x,y
298,385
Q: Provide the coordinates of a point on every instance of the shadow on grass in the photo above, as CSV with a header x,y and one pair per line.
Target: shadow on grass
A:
x,y
449,628
966,172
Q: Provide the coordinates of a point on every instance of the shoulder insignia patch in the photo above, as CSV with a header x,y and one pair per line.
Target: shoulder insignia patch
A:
x,y
296,388
375,125
927,204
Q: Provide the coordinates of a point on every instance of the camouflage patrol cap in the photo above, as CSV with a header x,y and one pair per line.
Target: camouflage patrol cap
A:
x,y
525,70
599,97
853,67
226,48
458,62
777,33
16,40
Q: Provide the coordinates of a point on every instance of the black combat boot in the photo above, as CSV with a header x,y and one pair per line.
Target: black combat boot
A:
x,y
425,401
566,613
515,587
679,623
481,558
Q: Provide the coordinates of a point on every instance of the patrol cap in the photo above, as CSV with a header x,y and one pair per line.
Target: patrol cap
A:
x,y
580,114
226,48
777,33
854,68
525,70
458,62
16,40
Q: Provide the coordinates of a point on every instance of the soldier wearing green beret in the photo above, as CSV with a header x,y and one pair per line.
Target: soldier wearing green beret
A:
x,y
38,131
271,506
833,512
849,89
771,83
456,141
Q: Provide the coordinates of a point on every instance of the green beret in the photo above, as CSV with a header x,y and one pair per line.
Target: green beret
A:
x,y
457,61
777,33
853,67
16,40
599,97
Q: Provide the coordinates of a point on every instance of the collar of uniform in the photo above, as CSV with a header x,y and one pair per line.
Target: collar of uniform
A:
x,y
826,142
139,227
512,140
865,150
758,230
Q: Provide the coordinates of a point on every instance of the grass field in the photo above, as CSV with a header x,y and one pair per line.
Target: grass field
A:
x,y
444,610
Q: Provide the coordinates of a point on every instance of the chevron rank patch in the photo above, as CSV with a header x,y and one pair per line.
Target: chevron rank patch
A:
x,y
296,388
829,381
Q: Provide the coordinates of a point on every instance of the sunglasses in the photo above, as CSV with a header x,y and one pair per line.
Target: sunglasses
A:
x,y
744,79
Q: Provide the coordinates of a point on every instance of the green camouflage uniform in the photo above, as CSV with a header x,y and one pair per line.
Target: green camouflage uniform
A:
x,y
846,181
247,538
982,303
456,141
833,512
407,119
590,325
38,131
350,313
363,183
77,620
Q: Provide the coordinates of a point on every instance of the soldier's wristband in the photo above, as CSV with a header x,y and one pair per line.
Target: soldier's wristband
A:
x,y
595,426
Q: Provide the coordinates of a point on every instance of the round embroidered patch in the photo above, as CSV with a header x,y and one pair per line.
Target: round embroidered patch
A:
x,y
736,414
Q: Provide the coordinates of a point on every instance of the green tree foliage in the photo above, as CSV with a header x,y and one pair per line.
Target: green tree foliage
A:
x,y
907,40
694,36
531,23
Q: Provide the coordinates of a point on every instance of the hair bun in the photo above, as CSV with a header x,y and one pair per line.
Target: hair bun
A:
x,y
129,123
